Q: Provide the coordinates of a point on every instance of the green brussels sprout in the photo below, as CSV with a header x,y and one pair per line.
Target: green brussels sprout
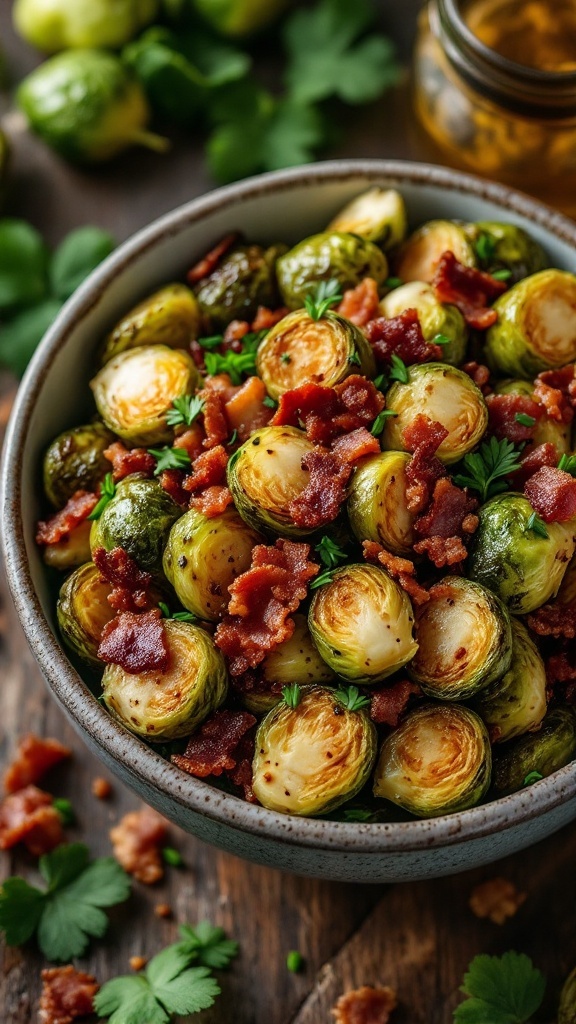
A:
x,y
332,255
83,611
171,704
53,25
546,429
435,317
516,703
376,505
75,461
71,551
437,761
243,280
86,106
464,640
545,752
312,758
265,474
506,247
378,215
138,518
236,18
362,624
442,393
567,592
170,317
204,556
536,326
135,390
420,253
523,568
567,1007
298,350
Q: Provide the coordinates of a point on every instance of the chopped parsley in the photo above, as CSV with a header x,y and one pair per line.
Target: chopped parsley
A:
x,y
487,469
327,294
536,524
169,458
351,698
185,411
107,492
330,552
291,695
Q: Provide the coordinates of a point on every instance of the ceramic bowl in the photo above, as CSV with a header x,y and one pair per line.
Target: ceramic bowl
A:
x,y
287,205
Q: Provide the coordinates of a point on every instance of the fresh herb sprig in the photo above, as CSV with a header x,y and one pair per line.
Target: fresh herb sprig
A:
x,y
291,695
185,411
330,552
568,464
504,989
321,579
380,421
169,458
398,369
531,778
537,525
487,470
351,698
236,364
107,492
176,616
327,294
524,419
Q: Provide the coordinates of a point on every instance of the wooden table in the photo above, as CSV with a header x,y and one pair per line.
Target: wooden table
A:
x,y
418,938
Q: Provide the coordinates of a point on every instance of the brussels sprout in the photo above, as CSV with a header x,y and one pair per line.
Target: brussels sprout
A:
x,y
435,317
420,253
523,568
71,551
464,641
138,518
204,556
265,474
169,317
437,761
240,17
243,280
52,25
75,461
567,592
442,393
546,429
545,751
325,351
516,703
362,622
83,611
312,758
168,705
377,507
567,1008
506,247
332,255
536,326
378,215
134,391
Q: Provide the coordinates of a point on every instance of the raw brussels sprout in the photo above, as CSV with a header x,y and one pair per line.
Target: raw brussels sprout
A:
x,y
464,641
75,462
134,391
240,17
265,474
299,350
362,624
545,752
378,215
420,253
442,393
524,569
138,518
507,247
567,1008
516,703
52,25
71,551
243,280
204,556
312,758
377,507
83,611
169,317
435,317
168,705
536,326
437,761
546,429
332,255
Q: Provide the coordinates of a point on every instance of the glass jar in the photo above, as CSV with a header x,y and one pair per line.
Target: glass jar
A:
x,y
495,91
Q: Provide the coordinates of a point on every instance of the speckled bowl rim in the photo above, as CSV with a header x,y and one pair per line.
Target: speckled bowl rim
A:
x,y
139,761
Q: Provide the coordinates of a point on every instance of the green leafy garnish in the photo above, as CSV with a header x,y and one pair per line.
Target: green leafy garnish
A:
x,y
185,410
485,247
330,552
393,282
378,425
524,419
380,382
501,275
440,339
504,989
233,437
285,358
270,402
357,814
355,359
65,810
169,458
211,342
294,961
488,468
107,492
291,695
536,524
177,616
531,778
324,577
351,698
236,364
208,945
398,369
327,294
568,464
172,857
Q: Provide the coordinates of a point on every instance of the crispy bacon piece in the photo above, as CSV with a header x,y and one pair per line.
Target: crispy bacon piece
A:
x,y
135,642
401,336
450,512
355,445
560,669
126,461
469,289
365,1005
210,261
66,995
388,703
532,460
442,550
34,758
191,440
214,416
137,842
266,318
62,523
497,899
320,501
555,390
400,569
235,331
502,413
208,470
28,817
423,438
480,374
245,409
211,750
328,413
171,481
554,619
552,494
129,583
360,304
213,501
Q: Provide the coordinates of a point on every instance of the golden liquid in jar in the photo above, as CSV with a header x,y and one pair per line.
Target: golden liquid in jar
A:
x,y
539,34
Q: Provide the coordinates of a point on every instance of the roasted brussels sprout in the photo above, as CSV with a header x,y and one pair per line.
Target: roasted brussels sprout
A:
x,y
437,761
546,429
567,1008
169,317
134,391
362,623
545,751
71,551
75,461
378,215
536,326
435,317
240,17
442,393
420,253
506,247
83,611
243,280
567,592
464,640
377,507
168,705
312,758
523,568
53,25
138,518
299,350
332,255
516,703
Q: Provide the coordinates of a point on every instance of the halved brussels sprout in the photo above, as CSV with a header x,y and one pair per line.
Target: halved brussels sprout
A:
x,y
83,611
169,317
523,568
545,752
546,429
138,518
442,393
378,215
168,705
376,505
312,758
567,1007
75,462
362,623
72,550
435,317
420,253
265,474
299,350
464,640
437,761
567,591
536,326
331,255
204,556
516,703
134,391
243,280
507,247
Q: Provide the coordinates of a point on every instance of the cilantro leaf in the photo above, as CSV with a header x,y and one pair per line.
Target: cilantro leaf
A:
x,y
129,1000
501,990
209,944
188,991
488,468
185,409
169,458
76,257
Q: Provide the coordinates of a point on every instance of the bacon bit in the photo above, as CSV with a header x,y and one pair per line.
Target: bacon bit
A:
x,y
329,412
62,523
163,910
532,460
210,261
552,494
401,336
423,438
442,550
101,788
400,569
388,704
129,583
66,995
212,750
502,413
213,501
34,758
556,391
365,1005
241,775
554,619
559,669
469,289
135,642
480,374
214,417
320,501
497,899
191,440
172,481
126,461
235,331
360,304
354,446
245,411
28,817
266,318
450,508
208,470
138,963
137,842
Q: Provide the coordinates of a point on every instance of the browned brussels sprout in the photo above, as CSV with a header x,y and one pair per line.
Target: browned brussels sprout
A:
x,y
75,462
170,317
83,611
542,752
330,256
243,280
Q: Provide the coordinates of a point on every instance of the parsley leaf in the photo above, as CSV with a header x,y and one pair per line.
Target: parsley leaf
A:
x,y
398,369
291,695
212,342
185,409
107,492
531,778
23,265
441,339
65,810
487,468
319,581
269,402
351,698
209,944
357,814
393,282
236,364
330,552
537,525
177,616
327,294
501,990
169,458
501,275
524,419
379,422
568,464
485,248
129,1000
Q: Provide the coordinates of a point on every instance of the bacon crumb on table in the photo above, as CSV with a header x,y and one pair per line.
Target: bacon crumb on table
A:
x,y
498,899
29,817
137,842
469,289
163,910
34,758
101,788
67,994
62,523
137,963
365,1005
